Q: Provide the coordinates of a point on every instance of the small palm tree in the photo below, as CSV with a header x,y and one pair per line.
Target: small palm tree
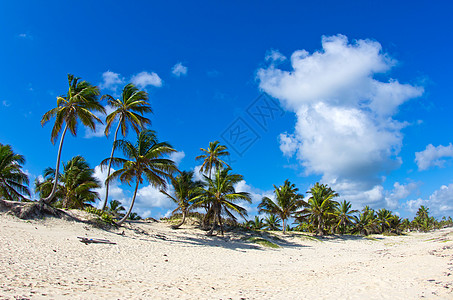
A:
x,y
287,202
212,157
76,187
143,160
321,207
186,190
78,104
255,224
116,209
219,192
13,181
134,216
129,110
366,222
272,222
383,217
343,214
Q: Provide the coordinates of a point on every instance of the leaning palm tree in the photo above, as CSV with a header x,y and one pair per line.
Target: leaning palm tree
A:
x,y
287,202
185,191
13,181
129,110
143,160
220,193
116,209
211,158
78,104
343,214
321,207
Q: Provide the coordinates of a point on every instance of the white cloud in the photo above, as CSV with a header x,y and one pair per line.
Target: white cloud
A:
x,y
150,196
399,192
345,130
177,157
111,81
115,191
256,195
431,156
6,103
25,36
274,56
440,202
178,70
144,79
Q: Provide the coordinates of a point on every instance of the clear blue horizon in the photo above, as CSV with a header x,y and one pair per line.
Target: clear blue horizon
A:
x,y
353,94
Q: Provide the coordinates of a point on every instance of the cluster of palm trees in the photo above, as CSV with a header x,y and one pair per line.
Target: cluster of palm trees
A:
x,y
147,159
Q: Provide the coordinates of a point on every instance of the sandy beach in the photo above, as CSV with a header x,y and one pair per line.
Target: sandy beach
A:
x,y
44,259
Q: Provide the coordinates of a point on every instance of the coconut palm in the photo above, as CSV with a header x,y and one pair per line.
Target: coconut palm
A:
x,y
76,184
143,160
321,207
185,191
13,181
423,212
272,222
212,157
129,110
220,194
78,104
134,216
116,209
255,224
383,218
343,214
287,202
366,222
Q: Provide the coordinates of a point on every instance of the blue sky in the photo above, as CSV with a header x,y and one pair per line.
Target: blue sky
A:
x,y
359,92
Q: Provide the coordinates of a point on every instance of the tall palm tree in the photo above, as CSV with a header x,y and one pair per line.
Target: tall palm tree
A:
x,y
343,213
287,202
129,110
143,160
272,222
212,157
220,193
13,181
186,190
321,207
78,104
76,184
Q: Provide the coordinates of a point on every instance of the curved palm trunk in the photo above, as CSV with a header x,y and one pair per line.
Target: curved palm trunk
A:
x,y
182,221
130,207
57,169
104,205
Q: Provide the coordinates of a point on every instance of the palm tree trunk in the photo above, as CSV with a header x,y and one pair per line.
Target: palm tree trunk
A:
x,y
130,207
104,205
219,217
182,221
54,188
214,221
284,226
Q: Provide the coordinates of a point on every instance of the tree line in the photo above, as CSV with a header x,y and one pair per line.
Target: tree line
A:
x,y
147,159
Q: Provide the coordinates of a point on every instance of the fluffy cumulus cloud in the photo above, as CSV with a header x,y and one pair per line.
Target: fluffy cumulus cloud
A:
x,y
178,70
177,157
274,56
115,191
144,79
440,202
345,129
111,80
432,156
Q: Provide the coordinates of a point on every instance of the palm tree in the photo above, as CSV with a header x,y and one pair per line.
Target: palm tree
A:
x,y
383,218
343,214
77,104
423,212
366,222
186,190
219,192
76,185
144,159
127,111
134,216
255,224
321,207
211,158
272,222
288,201
13,181
116,209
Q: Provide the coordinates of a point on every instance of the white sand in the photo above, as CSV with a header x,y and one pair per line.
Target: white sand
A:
x,y
44,259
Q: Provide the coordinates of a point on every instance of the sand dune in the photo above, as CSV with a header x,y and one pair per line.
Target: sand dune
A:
x,y
42,259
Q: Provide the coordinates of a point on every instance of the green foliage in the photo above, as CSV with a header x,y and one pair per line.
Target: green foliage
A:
x,y
13,181
104,216
262,242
